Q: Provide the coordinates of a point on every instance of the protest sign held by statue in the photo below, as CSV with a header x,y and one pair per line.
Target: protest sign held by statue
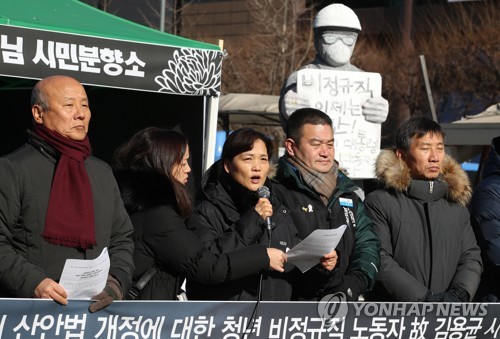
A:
x,y
336,28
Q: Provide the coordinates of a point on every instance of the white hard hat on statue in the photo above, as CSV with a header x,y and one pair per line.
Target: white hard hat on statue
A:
x,y
337,17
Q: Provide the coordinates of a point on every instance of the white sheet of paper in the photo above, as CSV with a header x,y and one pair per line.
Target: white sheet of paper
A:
x,y
84,279
309,251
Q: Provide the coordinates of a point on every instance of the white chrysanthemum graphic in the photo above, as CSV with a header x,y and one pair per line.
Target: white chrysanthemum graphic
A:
x,y
195,72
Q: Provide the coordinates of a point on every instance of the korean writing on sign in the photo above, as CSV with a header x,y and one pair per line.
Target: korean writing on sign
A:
x,y
12,53
340,94
116,326
418,328
30,318
193,327
75,326
37,325
238,327
73,57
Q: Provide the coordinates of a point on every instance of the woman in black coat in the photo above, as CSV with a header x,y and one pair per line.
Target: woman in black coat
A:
x,y
232,215
152,170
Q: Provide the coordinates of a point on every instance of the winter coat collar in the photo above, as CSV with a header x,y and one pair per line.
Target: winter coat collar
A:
x,y
290,177
211,187
453,183
43,146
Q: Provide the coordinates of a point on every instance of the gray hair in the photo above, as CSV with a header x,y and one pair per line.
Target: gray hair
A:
x,y
38,97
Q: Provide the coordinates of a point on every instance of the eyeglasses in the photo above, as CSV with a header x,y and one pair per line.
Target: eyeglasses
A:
x,y
331,38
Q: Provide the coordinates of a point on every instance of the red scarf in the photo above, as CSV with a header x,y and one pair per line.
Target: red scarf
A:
x,y
70,213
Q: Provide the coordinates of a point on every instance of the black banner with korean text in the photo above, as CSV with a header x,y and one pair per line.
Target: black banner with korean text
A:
x,y
35,54
32,318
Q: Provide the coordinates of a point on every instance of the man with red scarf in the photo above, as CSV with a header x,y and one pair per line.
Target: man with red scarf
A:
x,y
58,202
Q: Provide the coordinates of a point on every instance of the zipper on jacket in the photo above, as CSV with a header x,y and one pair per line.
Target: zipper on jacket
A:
x,y
431,186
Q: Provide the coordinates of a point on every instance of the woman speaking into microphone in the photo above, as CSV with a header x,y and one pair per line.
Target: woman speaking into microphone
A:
x,y
152,170
238,211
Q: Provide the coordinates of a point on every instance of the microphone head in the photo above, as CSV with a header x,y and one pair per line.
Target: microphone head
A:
x,y
263,192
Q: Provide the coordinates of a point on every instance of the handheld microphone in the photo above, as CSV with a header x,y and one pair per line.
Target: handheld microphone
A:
x,y
264,192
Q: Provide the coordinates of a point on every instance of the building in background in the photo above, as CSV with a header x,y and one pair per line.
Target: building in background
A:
x,y
266,39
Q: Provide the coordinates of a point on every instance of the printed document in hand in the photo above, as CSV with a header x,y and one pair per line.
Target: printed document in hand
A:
x,y
84,279
309,251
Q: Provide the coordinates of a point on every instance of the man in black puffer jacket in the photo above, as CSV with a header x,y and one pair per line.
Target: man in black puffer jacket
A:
x,y
429,252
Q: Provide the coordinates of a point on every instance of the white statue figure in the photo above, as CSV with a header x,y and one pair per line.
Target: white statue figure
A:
x,y
336,29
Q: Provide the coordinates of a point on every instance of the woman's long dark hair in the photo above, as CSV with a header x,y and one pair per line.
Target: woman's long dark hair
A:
x,y
159,150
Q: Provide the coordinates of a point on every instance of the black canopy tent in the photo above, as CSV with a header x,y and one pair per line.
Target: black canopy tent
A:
x,y
135,76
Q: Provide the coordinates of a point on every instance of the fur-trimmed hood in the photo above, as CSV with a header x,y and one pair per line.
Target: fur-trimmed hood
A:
x,y
393,173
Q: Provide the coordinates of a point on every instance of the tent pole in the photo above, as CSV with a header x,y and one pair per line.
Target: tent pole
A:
x,y
211,127
162,16
211,131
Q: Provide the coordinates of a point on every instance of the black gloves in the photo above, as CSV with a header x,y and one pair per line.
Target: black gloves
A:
x,y
112,291
353,284
454,294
